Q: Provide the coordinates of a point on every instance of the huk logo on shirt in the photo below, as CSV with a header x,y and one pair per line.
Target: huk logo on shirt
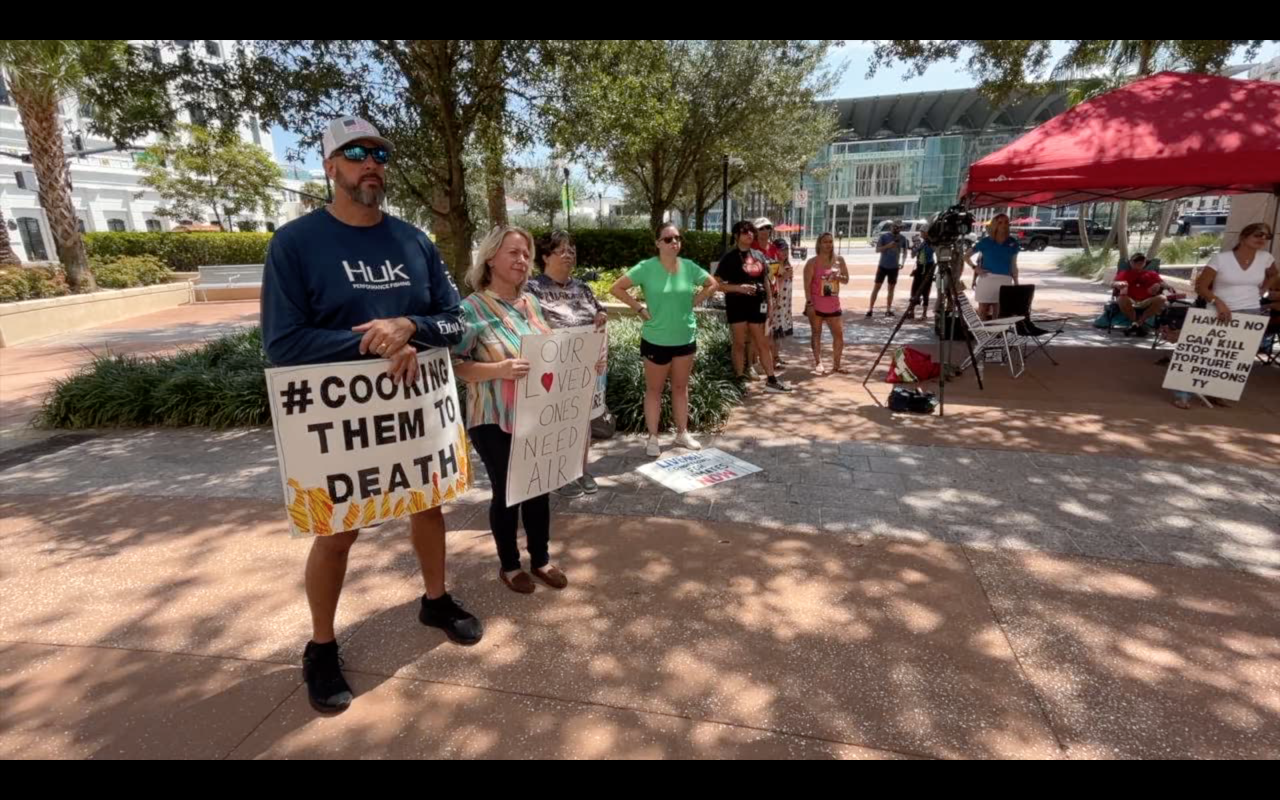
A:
x,y
377,276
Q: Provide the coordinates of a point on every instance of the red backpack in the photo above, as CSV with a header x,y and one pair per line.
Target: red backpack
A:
x,y
911,365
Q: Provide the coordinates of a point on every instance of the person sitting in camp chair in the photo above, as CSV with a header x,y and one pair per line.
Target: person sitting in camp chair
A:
x,y
1141,294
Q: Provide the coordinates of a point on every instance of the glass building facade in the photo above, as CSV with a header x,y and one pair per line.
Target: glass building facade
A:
x,y
906,157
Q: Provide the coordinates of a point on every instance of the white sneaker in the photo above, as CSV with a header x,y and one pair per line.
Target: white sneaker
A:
x,y
653,449
687,442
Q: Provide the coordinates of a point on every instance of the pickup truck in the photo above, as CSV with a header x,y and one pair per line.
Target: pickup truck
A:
x,y
1063,233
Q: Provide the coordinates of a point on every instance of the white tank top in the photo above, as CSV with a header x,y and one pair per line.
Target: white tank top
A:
x,y
1236,286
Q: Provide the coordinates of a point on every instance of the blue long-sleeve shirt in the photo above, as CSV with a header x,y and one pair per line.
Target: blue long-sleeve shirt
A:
x,y
324,277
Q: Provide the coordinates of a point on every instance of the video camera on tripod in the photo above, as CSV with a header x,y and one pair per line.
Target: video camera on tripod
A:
x,y
948,234
950,227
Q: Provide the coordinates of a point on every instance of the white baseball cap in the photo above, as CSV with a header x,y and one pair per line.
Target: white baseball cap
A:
x,y
345,130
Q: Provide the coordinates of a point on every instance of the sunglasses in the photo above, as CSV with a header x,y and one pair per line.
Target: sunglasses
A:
x,y
671,239
358,153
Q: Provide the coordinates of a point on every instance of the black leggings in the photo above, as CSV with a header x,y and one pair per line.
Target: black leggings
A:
x,y
494,446
918,283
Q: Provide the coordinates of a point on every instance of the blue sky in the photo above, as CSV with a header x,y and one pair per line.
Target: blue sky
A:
x,y
854,83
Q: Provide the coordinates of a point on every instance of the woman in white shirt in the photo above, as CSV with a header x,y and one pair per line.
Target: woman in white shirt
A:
x,y
1234,281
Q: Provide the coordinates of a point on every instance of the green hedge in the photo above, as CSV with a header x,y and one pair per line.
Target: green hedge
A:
x,y
1087,266
218,385
181,251
714,391
130,271
31,283
614,249
602,280
221,384
1190,249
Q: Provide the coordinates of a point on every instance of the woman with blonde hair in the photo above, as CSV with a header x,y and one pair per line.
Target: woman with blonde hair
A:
x,y
497,314
999,265
824,274
1234,282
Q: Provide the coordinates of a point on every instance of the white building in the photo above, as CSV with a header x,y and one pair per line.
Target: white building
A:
x,y
1268,71
105,187
1208,204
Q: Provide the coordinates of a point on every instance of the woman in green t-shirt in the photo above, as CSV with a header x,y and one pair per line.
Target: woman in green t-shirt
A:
x,y
672,287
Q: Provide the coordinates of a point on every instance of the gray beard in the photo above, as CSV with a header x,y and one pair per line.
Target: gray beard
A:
x,y
369,197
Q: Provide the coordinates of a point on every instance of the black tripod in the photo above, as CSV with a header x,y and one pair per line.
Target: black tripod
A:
x,y
944,320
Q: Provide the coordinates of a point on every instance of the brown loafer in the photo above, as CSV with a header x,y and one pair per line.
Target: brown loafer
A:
x,y
521,583
552,577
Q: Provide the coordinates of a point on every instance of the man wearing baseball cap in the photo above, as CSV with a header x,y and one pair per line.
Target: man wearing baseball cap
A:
x,y
345,282
892,248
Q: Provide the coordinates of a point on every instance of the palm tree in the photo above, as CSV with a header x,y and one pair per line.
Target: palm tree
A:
x,y
7,256
1096,66
42,73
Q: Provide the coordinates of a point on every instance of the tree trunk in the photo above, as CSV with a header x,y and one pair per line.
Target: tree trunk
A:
x,y
7,256
657,198
1166,216
699,201
1122,230
454,231
656,213
450,218
496,191
1110,241
44,137
1084,231
495,172
686,214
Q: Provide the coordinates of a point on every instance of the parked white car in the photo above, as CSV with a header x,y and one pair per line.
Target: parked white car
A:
x,y
910,228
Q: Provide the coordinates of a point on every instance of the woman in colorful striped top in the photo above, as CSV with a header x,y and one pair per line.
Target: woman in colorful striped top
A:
x,y
496,315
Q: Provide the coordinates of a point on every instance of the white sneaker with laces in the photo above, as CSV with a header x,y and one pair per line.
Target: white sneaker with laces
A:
x,y
687,442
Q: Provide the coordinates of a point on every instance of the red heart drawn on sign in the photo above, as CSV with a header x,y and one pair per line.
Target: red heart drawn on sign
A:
x,y
546,381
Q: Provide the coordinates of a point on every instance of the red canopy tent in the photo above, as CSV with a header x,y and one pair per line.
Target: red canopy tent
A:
x,y
1168,136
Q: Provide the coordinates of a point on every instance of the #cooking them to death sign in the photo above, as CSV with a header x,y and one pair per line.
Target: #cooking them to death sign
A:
x,y
356,449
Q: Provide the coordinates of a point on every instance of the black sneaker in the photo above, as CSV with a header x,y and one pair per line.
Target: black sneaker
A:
x,y
1140,331
1129,330
449,616
570,490
776,386
322,670
870,314
588,484
889,313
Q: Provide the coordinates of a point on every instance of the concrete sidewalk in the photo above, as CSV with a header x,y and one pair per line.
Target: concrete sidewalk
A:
x,y
1058,569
